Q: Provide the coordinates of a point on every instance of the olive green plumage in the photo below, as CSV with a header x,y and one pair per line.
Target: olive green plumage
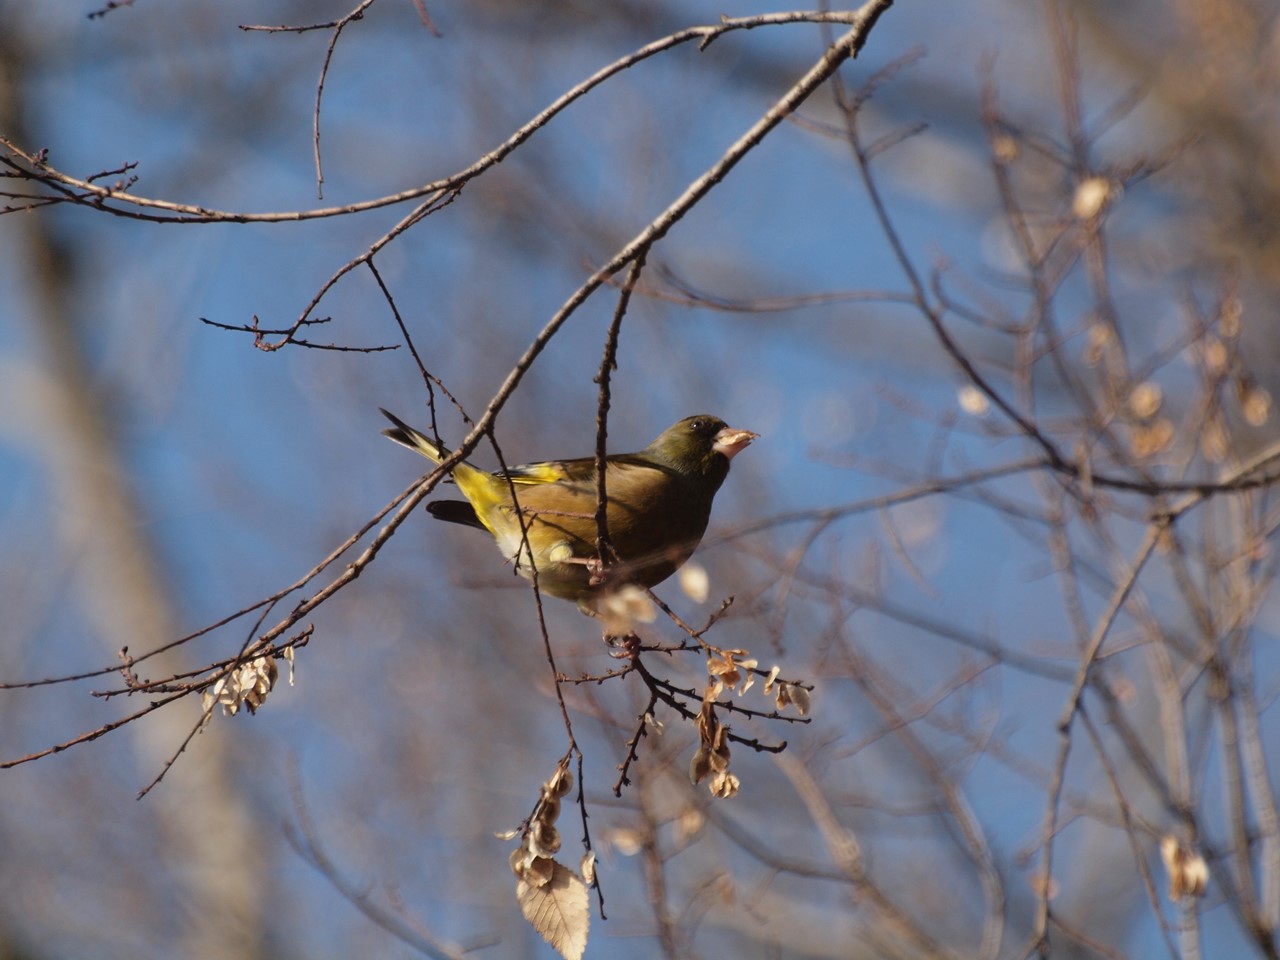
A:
x,y
659,501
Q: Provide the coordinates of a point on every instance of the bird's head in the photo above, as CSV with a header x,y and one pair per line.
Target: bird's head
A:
x,y
701,445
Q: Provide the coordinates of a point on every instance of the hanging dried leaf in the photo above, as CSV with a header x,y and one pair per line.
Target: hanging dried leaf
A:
x,y
1098,342
784,695
623,609
724,785
1004,148
1214,353
1188,872
712,756
700,765
245,686
771,679
727,673
1255,404
626,840
973,401
561,782
548,809
800,697
559,910
541,872
1145,400
695,583
1091,195
688,825
544,839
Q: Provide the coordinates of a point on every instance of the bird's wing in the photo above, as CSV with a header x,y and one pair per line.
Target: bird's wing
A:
x,y
579,471
552,471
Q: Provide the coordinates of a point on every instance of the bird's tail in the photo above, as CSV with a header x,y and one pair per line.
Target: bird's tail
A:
x,y
484,491
415,440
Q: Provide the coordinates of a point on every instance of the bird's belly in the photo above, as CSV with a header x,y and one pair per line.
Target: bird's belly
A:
x,y
564,542
560,572
566,567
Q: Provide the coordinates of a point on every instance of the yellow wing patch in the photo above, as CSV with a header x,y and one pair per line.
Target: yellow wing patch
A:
x,y
550,472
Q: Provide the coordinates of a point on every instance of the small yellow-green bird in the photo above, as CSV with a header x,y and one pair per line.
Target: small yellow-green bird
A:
x,y
659,501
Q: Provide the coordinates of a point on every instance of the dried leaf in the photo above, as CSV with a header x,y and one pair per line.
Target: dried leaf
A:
x,y
784,695
720,740
1215,355
689,824
1255,404
561,782
626,840
724,785
227,693
1188,872
726,672
549,808
624,608
544,839
722,666
695,583
257,679
800,697
520,860
1090,197
1004,148
247,685
771,678
207,702
558,910
719,761
539,872
1145,400
700,766
1098,342
973,401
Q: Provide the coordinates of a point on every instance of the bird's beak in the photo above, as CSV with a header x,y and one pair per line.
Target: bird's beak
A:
x,y
731,442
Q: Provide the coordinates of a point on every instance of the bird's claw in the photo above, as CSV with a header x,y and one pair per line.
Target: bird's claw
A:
x,y
624,648
597,572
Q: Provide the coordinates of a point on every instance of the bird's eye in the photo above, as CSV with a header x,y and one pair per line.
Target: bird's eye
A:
x,y
698,426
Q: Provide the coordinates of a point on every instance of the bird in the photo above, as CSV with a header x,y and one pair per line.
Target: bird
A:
x,y
658,505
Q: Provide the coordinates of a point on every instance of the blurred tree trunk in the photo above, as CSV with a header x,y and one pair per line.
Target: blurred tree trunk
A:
x,y
205,826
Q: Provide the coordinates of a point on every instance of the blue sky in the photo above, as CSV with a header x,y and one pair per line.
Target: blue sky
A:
x,y
250,466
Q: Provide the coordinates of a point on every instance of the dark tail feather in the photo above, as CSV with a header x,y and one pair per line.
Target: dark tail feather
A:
x,y
455,511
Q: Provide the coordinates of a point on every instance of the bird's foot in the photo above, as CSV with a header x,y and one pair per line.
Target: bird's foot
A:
x,y
597,573
623,648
